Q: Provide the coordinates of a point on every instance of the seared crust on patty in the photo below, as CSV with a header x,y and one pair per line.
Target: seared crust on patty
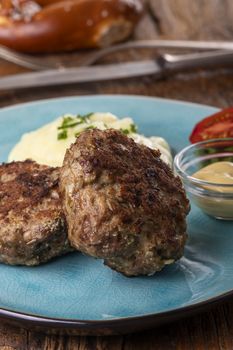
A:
x,y
123,203
32,224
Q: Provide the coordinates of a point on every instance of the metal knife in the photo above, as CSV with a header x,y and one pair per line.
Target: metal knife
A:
x,y
163,65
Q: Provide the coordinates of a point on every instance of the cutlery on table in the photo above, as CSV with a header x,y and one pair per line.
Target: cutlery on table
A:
x,y
161,66
35,63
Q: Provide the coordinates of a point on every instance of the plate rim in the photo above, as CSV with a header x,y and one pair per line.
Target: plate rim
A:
x,y
60,323
99,96
154,318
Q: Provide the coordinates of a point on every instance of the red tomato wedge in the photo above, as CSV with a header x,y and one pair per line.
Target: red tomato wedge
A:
x,y
218,125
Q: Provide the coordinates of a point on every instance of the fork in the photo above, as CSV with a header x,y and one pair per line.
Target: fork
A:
x,y
23,60
34,63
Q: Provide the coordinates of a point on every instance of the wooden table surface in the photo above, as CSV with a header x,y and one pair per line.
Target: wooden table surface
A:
x,y
210,330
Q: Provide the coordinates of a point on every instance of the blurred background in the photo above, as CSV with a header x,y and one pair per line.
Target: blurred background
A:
x,y
184,19
161,19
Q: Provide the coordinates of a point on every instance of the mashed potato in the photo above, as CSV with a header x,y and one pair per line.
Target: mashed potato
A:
x,y
48,144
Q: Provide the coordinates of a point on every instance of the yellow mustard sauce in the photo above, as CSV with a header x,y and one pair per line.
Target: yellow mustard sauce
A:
x,y
216,173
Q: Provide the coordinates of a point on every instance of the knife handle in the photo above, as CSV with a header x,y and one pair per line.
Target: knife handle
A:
x,y
179,63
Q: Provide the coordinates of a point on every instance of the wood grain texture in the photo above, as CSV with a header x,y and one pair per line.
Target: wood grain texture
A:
x,y
164,18
212,330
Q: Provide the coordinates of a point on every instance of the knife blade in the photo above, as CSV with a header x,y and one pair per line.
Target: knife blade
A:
x,y
80,74
164,64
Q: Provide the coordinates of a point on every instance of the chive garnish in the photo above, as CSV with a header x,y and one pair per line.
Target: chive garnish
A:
x,y
132,129
125,131
62,135
71,122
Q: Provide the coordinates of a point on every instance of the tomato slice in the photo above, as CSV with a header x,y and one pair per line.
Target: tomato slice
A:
x,y
218,125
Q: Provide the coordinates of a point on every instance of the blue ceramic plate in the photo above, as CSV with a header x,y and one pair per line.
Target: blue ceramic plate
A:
x,y
78,292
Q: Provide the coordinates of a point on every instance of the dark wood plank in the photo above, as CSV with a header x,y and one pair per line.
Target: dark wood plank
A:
x,y
213,88
212,330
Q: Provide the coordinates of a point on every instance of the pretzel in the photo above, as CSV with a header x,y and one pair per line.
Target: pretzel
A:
x,y
65,25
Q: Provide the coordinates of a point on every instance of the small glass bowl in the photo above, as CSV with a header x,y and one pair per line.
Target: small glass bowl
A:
x,y
214,199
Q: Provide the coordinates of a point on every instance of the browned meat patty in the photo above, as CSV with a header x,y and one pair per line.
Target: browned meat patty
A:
x,y
123,203
32,224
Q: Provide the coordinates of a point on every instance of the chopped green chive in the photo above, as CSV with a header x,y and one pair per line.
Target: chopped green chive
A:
x,y
125,131
71,125
84,117
133,128
71,122
62,135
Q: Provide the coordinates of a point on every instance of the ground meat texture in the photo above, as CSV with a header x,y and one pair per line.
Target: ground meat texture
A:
x,y
32,224
123,203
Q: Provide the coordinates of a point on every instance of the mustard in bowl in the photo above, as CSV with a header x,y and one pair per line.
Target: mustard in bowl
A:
x,y
206,170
